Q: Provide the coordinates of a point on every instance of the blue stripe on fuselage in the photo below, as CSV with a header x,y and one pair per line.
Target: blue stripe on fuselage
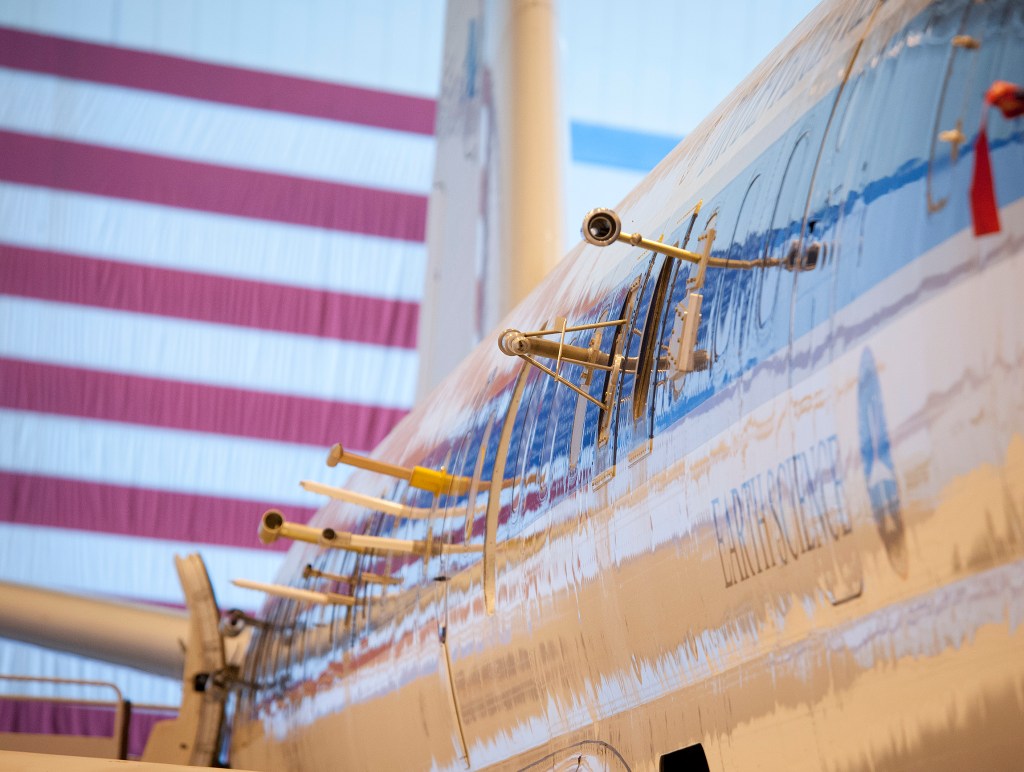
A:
x,y
874,230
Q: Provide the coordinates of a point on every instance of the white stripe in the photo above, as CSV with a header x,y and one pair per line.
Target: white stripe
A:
x,y
167,237
88,563
392,46
228,135
264,472
212,354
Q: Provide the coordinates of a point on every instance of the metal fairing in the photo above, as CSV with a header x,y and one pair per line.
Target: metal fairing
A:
x,y
809,555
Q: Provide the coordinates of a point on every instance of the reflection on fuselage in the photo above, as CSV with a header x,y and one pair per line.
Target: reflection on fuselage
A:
x,y
809,554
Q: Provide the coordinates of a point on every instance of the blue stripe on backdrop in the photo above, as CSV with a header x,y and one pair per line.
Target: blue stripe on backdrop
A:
x,y
618,147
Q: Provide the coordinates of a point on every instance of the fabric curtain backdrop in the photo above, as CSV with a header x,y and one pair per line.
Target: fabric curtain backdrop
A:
x,y
211,260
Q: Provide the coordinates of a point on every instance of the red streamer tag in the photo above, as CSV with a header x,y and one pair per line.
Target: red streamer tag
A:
x,y
1008,98
983,195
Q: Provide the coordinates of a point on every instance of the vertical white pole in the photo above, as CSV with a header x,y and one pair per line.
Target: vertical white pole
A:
x,y
529,149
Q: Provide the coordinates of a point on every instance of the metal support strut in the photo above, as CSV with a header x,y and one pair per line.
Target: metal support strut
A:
x,y
529,345
602,227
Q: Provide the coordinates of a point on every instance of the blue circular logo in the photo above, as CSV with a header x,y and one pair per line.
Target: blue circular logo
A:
x,y
879,469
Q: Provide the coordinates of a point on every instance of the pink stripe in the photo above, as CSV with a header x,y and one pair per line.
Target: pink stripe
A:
x,y
41,717
214,82
103,171
135,399
218,299
89,506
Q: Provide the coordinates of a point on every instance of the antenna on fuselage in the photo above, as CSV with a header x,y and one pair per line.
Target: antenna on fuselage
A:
x,y
388,507
433,480
603,227
375,503
297,593
529,345
235,621
363,577
273,526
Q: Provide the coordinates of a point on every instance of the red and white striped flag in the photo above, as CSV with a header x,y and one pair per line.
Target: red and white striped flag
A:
x,y
208,275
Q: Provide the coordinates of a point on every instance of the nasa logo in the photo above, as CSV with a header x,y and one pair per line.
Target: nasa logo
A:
x,y
879,469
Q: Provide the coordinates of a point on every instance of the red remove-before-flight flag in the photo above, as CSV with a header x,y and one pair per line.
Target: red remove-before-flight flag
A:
x,y
1009,99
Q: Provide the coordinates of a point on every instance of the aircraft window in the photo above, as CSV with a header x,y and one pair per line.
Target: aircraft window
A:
x,y
787,222
290,644
304,643
414,570
463,519
523,454
281,619
266,664
252,669
379,524
340,563
535,458
959,98
896,131
300,654
346,620
316,623
560,426
576,352
622,334
481,473
851,112
319,642
697,380
646,361
553,426
732,289
497,487
662,399
582,432
579,422
474,466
